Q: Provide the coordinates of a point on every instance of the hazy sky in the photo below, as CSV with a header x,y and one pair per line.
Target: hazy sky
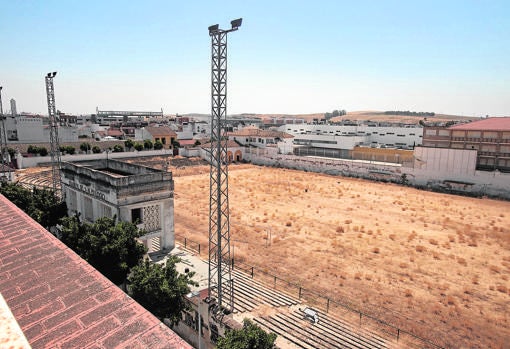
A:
x,y
288,56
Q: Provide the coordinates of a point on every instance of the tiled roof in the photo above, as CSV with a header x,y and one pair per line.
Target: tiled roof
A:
x,y
256,132
230,144
115,132
161,131
489,124
60,301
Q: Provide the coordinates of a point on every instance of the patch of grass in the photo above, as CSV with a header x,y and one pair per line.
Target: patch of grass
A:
x,y
420,248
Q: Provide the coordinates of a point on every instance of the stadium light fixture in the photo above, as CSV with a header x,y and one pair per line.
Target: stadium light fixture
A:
x,y
236,23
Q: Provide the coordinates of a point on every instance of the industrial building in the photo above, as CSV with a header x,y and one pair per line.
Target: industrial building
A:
x,y
132,193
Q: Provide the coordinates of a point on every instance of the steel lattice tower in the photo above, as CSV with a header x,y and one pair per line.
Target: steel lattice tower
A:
x,y
54,143
3,138
221,284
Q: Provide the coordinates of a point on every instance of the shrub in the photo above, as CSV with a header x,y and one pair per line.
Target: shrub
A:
x,y
158,145
147,144
32,149
43,151
85,147
420,248
96,149
118,148
138,146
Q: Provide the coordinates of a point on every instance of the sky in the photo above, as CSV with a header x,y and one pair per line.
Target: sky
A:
x,y
288,57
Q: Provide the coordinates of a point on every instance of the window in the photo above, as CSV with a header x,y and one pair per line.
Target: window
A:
x,y
89,210
136,215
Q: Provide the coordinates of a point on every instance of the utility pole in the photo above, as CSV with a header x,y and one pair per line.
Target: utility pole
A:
x,y
54,143
221,284
3,141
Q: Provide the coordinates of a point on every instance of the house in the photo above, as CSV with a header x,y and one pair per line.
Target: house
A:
x,y
164,134
234,151
252,136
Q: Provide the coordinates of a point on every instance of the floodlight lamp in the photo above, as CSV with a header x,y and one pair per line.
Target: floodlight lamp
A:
x,y
48,75
214,28
236,23
1,87
54,73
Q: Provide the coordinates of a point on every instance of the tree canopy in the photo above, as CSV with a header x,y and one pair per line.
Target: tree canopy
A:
x,y
40,204
250,336
158,145
160,288
108,246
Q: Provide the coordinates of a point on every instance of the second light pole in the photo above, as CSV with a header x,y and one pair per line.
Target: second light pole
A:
x,y
221,284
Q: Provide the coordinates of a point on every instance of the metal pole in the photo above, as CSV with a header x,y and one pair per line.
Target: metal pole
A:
x,y
54,142
3,140
220,276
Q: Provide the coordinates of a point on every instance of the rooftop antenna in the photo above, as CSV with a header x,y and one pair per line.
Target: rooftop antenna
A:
x,y
221,285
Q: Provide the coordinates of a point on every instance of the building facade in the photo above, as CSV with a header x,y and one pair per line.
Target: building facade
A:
x,y
489,137
132,193
346,137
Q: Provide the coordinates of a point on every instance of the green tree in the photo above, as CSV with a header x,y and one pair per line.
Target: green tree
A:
x,y
96,149
176,144
161,289
138,146
197,143
43,151
250,336
158,145
32,149
85,147
108,246
40,204
147,144
69,149
12,152
128,143
117,148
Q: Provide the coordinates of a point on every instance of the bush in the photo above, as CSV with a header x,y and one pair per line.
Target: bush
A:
x,y
43,151
11,152
85,147
67,149
147,144
128,143
118,148
138,146
96,149
158,145
32,149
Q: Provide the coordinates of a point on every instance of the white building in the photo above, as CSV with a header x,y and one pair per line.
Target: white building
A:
x,y
349,136
255,137
132,193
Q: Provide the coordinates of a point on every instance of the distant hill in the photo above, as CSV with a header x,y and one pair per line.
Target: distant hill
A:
x,y
381,116
353,115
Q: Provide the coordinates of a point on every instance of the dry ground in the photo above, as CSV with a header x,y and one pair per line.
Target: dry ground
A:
x,y
442,261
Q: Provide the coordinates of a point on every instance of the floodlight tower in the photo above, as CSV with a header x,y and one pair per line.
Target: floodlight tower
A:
x,y
54,144
3,138
220,277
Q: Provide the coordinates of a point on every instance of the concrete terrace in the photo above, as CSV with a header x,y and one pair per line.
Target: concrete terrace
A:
x,y
280,313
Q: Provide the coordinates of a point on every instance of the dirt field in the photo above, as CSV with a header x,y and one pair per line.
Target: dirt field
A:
x,y
441,261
